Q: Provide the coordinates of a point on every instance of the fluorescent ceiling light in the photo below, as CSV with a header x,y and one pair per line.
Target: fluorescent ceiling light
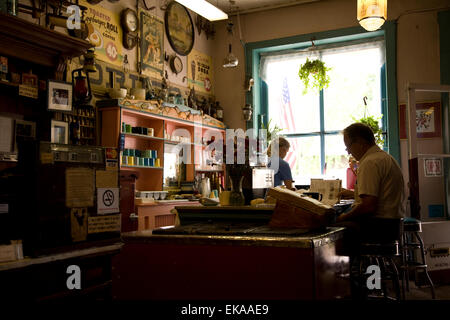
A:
x,y
205,9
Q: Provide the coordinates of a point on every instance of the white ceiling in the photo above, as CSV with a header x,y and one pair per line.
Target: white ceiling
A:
x,y
247,6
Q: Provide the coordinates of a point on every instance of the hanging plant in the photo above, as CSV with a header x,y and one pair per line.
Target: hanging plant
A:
x,y
373,123
313,73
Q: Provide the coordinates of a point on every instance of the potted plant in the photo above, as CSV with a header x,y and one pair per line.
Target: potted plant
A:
x,y
313,73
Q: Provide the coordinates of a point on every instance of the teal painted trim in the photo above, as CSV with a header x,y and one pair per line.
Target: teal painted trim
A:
x,y
322,130
264,106
393,137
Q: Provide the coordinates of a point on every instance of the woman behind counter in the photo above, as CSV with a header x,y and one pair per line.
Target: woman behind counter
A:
x,y
282,171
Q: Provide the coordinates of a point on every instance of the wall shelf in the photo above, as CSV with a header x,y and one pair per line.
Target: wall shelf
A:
x,y
31,42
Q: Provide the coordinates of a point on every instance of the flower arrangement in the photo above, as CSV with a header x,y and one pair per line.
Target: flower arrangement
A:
x,y
314,73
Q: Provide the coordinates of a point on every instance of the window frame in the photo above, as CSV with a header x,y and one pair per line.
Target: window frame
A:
x,y
259,99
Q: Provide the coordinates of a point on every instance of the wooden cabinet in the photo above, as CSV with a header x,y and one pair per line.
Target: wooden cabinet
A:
x,y
145,133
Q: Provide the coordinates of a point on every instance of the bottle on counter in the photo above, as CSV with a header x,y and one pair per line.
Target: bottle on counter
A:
x,y
213,110
219,111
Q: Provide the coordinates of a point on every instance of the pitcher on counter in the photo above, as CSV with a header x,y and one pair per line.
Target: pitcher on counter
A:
x,y
283,174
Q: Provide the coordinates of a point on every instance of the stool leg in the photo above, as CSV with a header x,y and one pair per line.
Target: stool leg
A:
x,y
422,252
407,253
404,266
395,279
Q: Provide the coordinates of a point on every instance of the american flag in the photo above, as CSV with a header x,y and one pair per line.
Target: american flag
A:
x,y
288,123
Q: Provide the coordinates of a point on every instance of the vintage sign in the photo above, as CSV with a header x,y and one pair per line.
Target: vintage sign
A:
x,y
200,71
152,44
105,33
110,223
28,91
107,200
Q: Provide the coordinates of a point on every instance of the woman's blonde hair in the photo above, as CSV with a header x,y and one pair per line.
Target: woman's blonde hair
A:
x,y
282,142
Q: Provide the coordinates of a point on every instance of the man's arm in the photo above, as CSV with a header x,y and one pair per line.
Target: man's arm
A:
x,y
367,207
288,184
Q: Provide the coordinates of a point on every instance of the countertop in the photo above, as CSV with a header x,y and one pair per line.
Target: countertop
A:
x,y
310,239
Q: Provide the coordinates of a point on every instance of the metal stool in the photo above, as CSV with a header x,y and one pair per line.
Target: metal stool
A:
x,y
379,249
412,241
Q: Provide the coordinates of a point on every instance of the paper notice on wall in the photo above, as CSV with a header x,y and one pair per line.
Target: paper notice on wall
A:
x,y
107,200
79,187
6,134
110,223
328,188
106,179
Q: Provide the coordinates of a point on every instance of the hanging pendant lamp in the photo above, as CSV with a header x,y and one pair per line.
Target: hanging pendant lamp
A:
x,y
230,60
372,14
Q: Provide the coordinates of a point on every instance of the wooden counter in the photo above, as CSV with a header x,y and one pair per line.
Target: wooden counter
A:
x,y
45,277
231,267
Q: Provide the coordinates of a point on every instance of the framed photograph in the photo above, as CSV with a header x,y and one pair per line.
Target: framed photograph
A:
x,y
433,167
59,96
428,120
152,43
179,28
60,132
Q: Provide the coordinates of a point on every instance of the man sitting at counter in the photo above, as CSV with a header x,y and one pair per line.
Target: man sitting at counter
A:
x,y
379,188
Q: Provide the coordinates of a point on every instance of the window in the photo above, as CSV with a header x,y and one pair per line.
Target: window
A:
x,y
313,122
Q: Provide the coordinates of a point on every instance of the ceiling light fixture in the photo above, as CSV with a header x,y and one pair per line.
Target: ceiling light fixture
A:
x,y
205,9
372,14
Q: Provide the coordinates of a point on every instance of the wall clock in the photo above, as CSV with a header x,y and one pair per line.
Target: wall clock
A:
x,y
130,25
179,28
176,65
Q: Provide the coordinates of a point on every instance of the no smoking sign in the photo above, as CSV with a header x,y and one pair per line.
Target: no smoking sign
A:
x,y
107,200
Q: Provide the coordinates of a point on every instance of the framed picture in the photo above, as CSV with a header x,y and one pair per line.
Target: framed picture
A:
x,y
59,132
179,28
433,167
428,120
152,44
59,95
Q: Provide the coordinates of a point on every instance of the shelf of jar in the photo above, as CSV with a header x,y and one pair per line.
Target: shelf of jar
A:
x,y
177,142
143,167
142,136
209,170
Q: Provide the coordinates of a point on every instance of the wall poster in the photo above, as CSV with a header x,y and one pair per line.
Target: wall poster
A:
x,y
152,44
200,72
105,33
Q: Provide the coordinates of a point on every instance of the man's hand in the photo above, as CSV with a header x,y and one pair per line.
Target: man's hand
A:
x,y
346,194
